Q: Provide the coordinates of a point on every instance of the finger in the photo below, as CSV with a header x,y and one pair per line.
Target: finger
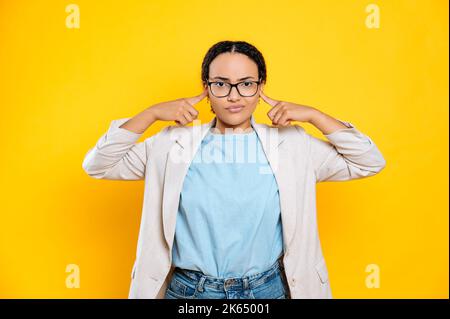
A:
x,y
188,117
192,111
276,125
181,120
194,100
284,119
277,117
268,100
273,111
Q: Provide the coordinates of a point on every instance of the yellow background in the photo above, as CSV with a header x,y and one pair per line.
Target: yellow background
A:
x,y
60,88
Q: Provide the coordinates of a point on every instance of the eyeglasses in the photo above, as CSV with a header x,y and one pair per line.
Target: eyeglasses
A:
x,y
244,88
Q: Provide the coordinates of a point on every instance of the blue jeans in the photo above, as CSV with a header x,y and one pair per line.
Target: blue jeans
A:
x,y
191,284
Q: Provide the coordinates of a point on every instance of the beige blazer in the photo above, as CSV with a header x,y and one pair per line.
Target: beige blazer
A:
x,y
297,159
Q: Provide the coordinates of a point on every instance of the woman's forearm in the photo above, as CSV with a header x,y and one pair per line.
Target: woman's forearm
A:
x,y
324,122
140,122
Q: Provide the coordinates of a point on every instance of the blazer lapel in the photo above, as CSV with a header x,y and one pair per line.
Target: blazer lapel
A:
x,y
282,168
182,152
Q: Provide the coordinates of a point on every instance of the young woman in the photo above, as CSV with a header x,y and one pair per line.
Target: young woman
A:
x,y
229,206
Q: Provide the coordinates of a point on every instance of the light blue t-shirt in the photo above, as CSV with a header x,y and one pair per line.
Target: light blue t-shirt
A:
x,y
229,220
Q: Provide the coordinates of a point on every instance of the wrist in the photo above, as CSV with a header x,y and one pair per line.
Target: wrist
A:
x,y
150,114
314,115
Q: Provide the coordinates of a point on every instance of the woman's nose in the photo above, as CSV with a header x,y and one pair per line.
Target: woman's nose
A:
x,y
234,94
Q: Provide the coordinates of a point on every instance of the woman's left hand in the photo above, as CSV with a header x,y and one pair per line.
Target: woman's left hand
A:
x,y
282,113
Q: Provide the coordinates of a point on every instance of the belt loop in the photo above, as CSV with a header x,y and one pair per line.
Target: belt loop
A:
x,y
200,283
245,283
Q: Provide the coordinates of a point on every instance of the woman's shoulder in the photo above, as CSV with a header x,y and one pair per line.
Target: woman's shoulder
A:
x,y
285,131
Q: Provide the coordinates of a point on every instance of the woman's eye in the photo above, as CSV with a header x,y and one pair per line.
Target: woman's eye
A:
x,y
220,84
248,83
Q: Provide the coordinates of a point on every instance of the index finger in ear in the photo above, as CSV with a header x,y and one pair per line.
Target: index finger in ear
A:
x,y
268,100
194,100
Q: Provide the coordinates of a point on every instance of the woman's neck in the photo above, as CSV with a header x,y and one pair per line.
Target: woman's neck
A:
x,y
244,127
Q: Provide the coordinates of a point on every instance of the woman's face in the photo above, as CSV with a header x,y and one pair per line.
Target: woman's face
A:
x,y
233,68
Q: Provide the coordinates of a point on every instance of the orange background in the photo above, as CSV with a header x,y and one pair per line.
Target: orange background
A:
x,y
61,87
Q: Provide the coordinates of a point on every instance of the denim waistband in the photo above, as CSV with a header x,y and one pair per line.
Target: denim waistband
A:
x,y
252,281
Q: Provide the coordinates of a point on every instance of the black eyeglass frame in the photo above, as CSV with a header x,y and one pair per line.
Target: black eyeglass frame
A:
x,y
234,85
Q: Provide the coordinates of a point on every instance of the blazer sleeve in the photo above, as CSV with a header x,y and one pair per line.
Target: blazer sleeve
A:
x,y
348,154
117,156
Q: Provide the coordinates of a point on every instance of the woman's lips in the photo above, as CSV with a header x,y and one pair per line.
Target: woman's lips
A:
x,y
235,108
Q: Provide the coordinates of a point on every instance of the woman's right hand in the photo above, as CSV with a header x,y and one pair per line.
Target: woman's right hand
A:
x,y
181,110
